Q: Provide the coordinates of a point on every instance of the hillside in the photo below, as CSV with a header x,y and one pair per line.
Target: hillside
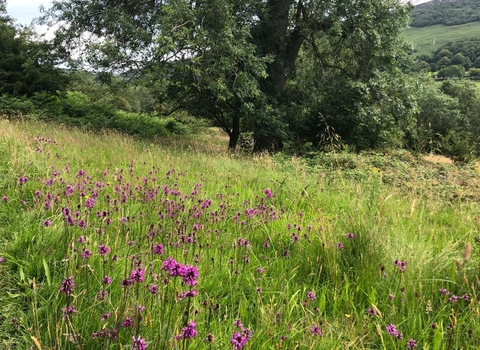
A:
x,y
428,39
446,12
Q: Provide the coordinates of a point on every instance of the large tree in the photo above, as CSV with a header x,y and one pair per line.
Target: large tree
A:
x,y
26,65
232,60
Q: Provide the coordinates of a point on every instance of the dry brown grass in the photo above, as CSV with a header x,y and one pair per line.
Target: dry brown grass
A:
x,y
438,159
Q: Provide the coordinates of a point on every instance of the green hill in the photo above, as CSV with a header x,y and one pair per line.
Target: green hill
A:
x,y
451,12
428,39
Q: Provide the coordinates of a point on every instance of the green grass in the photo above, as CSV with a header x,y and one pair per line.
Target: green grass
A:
x,y
285,265
428,39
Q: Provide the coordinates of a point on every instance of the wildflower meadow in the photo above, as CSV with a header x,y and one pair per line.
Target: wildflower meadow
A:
x,y
107,242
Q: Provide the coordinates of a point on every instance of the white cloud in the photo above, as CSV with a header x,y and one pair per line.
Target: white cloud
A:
x,y
24,11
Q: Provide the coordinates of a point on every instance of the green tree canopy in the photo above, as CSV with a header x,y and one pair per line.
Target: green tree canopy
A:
x,y
236,61
26,66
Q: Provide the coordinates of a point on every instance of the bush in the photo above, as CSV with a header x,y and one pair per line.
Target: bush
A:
x,y
474,73
15,106
459,147
452,72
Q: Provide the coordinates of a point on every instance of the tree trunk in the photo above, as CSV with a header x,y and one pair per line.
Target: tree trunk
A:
x,y
234,132
283,45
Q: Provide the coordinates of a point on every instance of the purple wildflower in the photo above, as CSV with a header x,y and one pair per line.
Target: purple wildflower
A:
x,y
189,330
86,253
90,203
339,246
172,266
189,294
238,341
453,298
153,289
67,286
268,193
311,295
238,323
444,291
158,249
138,343
411,344
402,265
127,323
315,330
46,223
127,282
103,249
22,180
5,199
106,316
392,330
189,275
137,275
106,280
69,310
102,294
350,236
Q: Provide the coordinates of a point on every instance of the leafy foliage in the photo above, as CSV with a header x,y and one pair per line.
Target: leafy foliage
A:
x,y
445,12
447,119
26,66
235,62
459,53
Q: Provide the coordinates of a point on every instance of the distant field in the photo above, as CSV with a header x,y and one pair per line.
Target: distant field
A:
x,y
428,39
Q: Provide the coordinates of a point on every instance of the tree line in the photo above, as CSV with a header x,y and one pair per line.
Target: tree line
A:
x,y
298,76
453,59
447,13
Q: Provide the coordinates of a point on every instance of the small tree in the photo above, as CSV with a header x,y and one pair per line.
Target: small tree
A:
x,y
452,72
443,63
474,73
460,60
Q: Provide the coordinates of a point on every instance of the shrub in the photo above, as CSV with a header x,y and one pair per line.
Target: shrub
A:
x,y
14,106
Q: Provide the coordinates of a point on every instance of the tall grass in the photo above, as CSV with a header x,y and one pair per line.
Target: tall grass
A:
x,y
112,243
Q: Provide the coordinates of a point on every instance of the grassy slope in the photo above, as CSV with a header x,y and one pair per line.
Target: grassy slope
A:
x,y
397,207
423,39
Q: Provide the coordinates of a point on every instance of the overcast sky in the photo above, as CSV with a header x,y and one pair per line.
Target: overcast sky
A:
x,y
24,11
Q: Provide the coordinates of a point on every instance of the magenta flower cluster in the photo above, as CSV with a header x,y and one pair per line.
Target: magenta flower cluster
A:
x,y
239,338
392,330
188,273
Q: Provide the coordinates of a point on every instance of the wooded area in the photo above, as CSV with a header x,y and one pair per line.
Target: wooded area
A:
x,y
298,76
448,13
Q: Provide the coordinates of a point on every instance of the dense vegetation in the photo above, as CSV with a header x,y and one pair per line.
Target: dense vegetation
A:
x,y
264,67
182,246
460,55
448,13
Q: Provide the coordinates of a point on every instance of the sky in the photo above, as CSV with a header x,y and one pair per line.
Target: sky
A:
x,y
24,11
